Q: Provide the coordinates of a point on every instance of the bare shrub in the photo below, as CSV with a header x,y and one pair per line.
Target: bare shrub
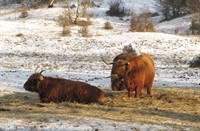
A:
x,y
195,25
89,3
66,31
171,8
82,11
84,22
85,31
24,14
65,20
193,6
195,62
19,35
108,26
85,5
117,8
141,22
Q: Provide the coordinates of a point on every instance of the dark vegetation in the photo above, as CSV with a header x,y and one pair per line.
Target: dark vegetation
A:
x,y
108,25
176,8
195,62
142,22
194,7
171,8
117,8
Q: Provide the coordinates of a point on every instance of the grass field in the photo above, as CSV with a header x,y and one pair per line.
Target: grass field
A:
x,y
177,107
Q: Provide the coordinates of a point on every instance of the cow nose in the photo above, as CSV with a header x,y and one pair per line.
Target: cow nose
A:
x,y
25,87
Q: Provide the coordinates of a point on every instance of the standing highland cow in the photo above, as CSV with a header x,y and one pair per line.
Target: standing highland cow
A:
x,y
118,70
60,90
140,74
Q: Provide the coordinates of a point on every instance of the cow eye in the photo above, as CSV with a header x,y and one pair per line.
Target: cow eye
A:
x,y
33,81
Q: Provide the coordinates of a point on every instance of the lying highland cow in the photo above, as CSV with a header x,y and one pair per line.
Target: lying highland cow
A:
x,y
140,74
60,90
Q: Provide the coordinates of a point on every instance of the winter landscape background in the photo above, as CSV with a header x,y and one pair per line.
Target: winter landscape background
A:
x,y
79,58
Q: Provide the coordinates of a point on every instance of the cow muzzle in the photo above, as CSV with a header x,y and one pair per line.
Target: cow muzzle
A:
x,y
117,77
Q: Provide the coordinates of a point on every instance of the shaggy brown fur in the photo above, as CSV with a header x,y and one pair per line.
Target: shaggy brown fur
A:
x,y
118,71
140,73
60,90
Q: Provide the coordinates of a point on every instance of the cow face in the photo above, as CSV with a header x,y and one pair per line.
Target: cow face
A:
x,y
117,75
32,84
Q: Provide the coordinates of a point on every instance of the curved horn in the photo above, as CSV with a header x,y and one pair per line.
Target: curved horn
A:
x,y
106,62
42,71
36,69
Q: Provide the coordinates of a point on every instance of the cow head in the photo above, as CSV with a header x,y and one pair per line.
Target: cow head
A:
x,y
32,84
119,69
117,74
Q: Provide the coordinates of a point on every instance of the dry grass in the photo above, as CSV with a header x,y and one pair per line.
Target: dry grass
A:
x,y
178,107
108,25
84,31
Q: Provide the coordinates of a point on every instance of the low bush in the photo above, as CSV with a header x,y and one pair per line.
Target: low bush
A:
x,y
141,23
195,25
83,22
85,31
195,62
108,26
24,14
117,8
66,31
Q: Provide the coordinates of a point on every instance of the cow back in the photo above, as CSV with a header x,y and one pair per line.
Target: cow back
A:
x,y
59,90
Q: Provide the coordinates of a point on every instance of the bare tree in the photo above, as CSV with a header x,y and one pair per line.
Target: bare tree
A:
x,y
193,6
171,8
78,11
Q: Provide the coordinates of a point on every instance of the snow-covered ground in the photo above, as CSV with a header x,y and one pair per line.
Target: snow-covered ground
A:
x,y
79,125
79,58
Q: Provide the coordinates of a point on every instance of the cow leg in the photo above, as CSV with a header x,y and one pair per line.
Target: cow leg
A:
x,y
130,93
44,100
129,87
138,91
113,88
114,85
149,92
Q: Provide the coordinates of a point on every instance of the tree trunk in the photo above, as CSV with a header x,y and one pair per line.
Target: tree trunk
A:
x,y
77,11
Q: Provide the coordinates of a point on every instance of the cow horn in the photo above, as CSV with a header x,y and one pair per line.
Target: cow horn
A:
x,y
36,69
106,62
42,71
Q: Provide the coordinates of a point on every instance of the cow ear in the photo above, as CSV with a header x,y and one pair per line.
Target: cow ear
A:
x,y
41,78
